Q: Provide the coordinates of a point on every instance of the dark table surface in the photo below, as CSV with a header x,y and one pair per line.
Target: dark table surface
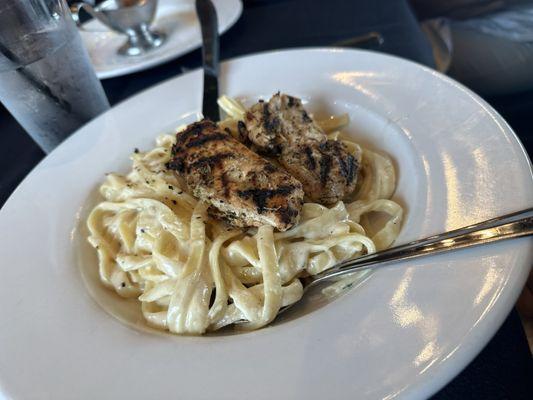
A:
x,y
503,370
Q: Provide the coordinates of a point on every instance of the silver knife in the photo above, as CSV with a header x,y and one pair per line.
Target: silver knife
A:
x,y
210,57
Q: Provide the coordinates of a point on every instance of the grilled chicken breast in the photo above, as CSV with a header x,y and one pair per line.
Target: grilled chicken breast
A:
x,y
240,185
282,128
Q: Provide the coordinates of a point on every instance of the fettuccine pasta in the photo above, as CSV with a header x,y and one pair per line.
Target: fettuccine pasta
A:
x,y
192,273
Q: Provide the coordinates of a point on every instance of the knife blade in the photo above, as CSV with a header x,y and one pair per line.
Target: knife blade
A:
x,y
210,57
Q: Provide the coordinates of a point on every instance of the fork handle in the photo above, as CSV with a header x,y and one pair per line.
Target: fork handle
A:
x,y
509,226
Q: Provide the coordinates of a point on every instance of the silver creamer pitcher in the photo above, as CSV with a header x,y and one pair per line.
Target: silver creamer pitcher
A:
x,y
129,17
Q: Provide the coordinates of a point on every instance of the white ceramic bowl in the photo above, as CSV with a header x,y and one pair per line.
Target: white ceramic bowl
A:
x,y
404,333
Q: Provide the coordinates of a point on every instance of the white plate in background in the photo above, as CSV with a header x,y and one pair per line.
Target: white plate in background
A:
x,y
177,18
404,333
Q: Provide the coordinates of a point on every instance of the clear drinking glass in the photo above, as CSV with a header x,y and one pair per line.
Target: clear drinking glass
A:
x,y
46,78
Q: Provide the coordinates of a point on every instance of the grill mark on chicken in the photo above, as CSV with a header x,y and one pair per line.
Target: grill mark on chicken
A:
x,y
271,123
260,196
269,168
225,184
354,165
195,130
311,162
266,114
241,128
291,101
243,134
204,139
210,161
306,117
239,185
348,167
276,150
347,162
176,164
325,167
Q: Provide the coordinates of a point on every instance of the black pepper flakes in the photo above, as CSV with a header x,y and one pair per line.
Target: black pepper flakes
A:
x,y
142,230
136,150
171,187
174,202
123,284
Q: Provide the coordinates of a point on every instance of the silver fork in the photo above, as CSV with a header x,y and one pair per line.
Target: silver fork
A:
x,y
508,226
